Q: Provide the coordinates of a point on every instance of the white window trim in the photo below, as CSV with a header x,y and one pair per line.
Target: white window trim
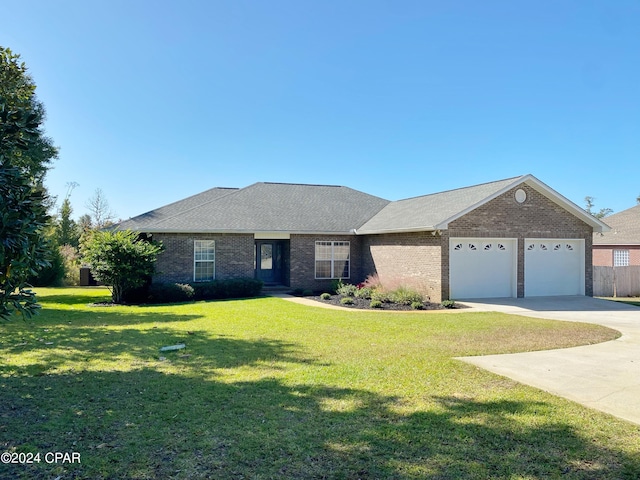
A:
x,y
621,258
333,244
195,262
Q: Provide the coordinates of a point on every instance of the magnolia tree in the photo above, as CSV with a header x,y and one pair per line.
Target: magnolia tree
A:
x,y
25,153
120,259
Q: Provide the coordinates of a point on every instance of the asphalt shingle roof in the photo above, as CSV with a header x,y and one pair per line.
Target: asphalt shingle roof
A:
x,y
267,207
625,228
298,208
429,212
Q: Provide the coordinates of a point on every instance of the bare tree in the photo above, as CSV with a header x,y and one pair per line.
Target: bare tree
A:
x,y
99,207
603,212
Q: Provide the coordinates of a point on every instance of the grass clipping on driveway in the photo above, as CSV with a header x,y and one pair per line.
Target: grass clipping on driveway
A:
x,y
270,389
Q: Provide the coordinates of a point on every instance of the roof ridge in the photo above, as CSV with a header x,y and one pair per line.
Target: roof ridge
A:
x,y
462,188
300,184
234,190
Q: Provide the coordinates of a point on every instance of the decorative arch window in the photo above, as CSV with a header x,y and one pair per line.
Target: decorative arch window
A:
x,y
543,247
488,246
531,246
501,247
569,247
557,247
458,246
472,246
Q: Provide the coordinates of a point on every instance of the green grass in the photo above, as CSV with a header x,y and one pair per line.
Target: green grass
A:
x,y
271,389
628,300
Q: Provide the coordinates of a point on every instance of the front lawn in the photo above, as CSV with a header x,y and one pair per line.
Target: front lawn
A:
x,y
266,388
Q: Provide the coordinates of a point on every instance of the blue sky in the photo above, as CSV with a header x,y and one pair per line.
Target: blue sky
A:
x,y
153,101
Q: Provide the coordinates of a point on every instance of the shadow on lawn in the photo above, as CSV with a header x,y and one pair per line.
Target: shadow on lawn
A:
x,y
146,424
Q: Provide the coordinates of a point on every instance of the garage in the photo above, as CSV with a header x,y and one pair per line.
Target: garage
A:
x,y
553,267
482,267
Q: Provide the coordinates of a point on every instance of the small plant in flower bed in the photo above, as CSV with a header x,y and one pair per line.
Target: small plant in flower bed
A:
x,y
346,290
448,304
406,296
375,304
366,296
363,292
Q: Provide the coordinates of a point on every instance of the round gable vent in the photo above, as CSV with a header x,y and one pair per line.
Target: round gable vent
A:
x,y
520,195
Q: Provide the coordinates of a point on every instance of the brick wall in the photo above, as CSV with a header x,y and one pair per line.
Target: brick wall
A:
x,y
537,217
603,255
234,256
412,259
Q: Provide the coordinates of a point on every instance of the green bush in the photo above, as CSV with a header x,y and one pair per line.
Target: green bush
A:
x,y
375,304
231,288
417,306
381,296
364,292
307,293
170,292
347,290
325,296
347,301
448,304
406,296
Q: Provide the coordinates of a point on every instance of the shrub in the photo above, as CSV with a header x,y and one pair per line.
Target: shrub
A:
x,y
381,296
448,304
364,292
346,301
170,292
417,306
307,293
325,296
347,290
231,288
406,296
121,259
375,304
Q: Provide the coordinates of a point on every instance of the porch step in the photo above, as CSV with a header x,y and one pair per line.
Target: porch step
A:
x,y
276,289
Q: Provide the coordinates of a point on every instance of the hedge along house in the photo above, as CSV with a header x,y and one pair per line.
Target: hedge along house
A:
x,y
510,238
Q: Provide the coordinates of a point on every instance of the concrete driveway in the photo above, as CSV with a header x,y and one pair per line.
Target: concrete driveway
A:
x,y
605,376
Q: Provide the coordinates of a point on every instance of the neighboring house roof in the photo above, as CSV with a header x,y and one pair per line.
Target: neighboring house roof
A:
x,y
436,211
267,207
625,228
296,208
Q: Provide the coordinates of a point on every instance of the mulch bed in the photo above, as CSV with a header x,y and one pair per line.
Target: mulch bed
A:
x,y
363,304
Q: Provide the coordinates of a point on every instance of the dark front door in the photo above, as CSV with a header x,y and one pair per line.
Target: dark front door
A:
x,y
270,261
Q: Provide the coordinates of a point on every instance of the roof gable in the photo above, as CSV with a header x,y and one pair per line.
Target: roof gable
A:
x,y
625,228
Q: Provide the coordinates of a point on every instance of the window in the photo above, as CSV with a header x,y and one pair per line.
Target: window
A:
x,y
333,259
204,260
621,258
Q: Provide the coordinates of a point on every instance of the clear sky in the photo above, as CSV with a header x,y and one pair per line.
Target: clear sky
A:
x,y
153,101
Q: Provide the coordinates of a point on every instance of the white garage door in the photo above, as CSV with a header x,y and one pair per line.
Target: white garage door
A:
x,y
482,267
553,267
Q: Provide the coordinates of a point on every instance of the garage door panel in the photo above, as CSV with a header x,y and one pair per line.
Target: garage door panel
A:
x,y
554,267
482,267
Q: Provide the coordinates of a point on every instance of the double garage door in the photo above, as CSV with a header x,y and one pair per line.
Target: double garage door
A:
x,y
488,267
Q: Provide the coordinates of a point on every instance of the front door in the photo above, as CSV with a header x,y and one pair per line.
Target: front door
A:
x,y
270,261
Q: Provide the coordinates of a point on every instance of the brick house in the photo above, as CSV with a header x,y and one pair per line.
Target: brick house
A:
x,y
619,247
510,238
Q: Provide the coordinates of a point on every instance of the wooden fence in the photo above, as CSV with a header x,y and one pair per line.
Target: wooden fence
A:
x,y
616,281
